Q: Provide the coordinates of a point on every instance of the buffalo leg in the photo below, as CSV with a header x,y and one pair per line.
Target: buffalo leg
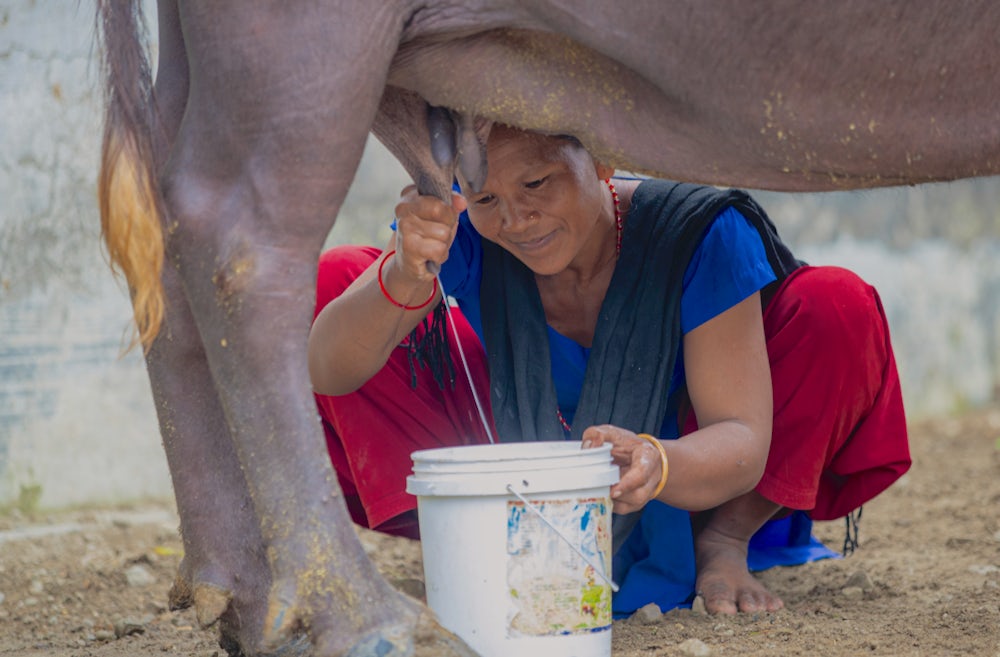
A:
x,y
271,135
224,556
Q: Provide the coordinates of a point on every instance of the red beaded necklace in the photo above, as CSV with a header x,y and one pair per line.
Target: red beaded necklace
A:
x,y
563,422
618,252
618,217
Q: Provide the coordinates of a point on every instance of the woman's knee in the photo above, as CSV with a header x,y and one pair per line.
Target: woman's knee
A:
x,y
831,303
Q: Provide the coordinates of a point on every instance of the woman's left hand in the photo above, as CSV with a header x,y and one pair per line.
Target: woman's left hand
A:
x,y
638,460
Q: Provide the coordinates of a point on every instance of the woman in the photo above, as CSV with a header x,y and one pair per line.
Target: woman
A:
x,y
609,310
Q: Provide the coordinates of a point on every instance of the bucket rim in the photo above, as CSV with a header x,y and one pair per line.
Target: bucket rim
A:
x,y
513,451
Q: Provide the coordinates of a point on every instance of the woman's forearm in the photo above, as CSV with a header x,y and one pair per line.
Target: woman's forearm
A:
x,y
713,465
354,335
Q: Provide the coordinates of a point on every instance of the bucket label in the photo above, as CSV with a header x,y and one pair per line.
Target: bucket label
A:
x,y
551,590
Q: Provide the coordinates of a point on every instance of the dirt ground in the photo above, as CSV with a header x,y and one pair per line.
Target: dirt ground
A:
x,y
925,581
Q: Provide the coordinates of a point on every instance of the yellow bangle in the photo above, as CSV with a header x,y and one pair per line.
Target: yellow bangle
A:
x,y
664,466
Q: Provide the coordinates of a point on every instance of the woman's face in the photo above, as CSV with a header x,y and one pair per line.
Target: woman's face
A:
x,y
543,200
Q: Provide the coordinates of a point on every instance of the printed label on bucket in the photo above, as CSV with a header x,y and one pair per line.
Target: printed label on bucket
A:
x,y
552,591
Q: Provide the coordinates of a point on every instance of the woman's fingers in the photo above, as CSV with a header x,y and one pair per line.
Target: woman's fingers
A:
x,y
603,433
458,203
425,229
639,463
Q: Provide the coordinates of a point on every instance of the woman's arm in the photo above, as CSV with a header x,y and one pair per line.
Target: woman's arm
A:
x,y
353,336
729,382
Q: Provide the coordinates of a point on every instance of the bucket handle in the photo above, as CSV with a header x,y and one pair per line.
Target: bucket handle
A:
x,y
531,507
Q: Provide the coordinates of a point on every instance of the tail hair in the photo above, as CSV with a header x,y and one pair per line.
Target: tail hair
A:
x,y
128,197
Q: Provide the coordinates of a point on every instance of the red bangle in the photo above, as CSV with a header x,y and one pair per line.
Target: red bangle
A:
x,y
388,296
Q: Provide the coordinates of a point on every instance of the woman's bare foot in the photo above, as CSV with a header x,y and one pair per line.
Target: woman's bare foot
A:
x,y
723,580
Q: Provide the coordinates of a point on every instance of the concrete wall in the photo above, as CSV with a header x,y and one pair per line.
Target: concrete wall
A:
x,y
934,255
77,423
76,420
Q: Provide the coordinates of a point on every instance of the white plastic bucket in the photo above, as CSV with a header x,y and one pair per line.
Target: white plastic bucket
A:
x,y
496,574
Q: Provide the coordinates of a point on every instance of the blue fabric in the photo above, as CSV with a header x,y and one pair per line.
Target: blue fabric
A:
x,y
656,562
462,272
786,542
728,266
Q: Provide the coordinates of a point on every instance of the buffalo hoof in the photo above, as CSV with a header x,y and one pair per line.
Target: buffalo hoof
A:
x,y
427,639
312,614
299,647
413,631
209,601
424,639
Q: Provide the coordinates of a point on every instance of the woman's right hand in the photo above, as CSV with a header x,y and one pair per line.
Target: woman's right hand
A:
x,y
425,229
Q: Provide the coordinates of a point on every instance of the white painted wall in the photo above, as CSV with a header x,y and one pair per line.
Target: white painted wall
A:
x,y
77,423
76,420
